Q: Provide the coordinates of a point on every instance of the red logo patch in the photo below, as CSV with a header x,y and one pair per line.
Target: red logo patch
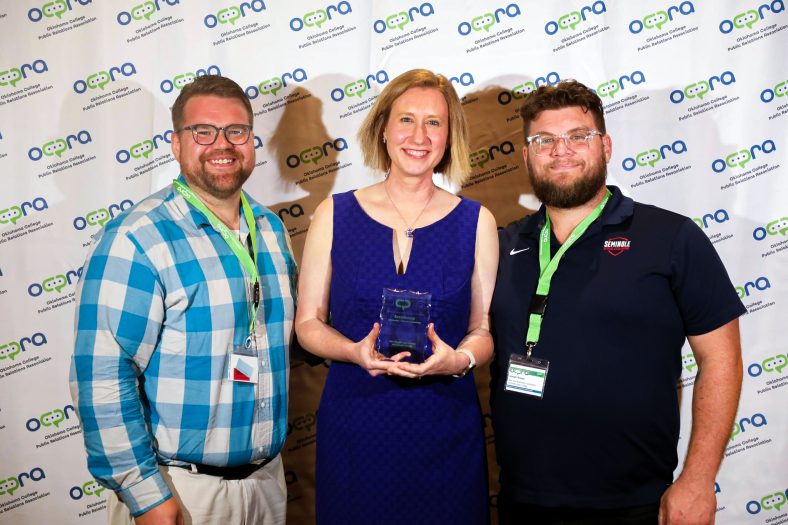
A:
x,y
615,246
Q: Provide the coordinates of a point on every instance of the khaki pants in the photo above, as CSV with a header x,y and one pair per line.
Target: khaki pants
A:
x,y
260,499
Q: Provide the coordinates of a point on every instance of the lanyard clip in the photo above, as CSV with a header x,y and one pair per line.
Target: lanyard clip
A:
x,y
529,348
538,304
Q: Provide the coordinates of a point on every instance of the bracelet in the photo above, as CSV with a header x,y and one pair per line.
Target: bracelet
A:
x,y
471,364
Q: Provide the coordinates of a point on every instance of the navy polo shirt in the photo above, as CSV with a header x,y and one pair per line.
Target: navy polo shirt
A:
x,y
620,305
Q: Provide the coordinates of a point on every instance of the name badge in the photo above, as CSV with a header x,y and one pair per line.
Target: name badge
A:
x,y
242,366
526,375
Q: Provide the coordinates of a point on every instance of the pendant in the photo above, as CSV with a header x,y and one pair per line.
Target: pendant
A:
x,y
409,232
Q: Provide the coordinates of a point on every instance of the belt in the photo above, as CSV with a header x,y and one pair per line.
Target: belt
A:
x,y
237,472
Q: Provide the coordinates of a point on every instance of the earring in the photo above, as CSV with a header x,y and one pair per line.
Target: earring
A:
x,y
384,139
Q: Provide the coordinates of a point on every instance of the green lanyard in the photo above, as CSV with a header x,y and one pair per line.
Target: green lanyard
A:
x,y
547,268
249,263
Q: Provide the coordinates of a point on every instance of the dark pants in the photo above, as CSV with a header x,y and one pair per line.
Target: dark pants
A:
x,y
512,512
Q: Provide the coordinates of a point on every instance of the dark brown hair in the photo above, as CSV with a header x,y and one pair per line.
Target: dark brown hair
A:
x,y
567,93
209,85
455,164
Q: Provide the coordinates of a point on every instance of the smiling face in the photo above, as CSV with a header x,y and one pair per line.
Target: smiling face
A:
x,y
220,169
416,132
565,178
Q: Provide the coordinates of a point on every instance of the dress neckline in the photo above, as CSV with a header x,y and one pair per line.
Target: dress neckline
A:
x,y
430,225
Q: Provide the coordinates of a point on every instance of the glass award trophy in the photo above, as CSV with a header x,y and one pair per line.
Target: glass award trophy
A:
x,y
404,317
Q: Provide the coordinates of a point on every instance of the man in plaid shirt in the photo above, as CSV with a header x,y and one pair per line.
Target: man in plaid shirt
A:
x,y
184,321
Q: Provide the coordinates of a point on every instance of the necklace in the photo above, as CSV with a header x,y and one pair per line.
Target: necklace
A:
x,y
408,228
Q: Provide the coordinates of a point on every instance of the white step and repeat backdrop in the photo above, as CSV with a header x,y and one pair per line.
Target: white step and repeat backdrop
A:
x,y
696,95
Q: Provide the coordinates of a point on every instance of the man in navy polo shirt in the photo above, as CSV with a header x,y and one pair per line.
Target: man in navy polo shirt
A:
x,y
595,296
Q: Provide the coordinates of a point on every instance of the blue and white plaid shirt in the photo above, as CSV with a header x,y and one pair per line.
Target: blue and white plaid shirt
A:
x,y
162,302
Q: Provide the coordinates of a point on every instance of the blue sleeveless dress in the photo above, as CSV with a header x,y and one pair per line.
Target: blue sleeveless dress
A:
x,y
393,450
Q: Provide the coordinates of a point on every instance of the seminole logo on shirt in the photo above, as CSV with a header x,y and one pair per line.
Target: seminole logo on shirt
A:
x,y
615,246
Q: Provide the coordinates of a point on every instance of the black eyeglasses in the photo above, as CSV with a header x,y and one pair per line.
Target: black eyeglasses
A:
x,y
206,134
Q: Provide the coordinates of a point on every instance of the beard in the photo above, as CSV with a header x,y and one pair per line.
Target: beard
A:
x,y
577,193
219,186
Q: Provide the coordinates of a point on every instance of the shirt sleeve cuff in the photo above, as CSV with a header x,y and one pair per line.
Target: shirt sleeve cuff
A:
x,y
146,494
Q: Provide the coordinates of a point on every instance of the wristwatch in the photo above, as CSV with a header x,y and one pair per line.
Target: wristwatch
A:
x,y
471,364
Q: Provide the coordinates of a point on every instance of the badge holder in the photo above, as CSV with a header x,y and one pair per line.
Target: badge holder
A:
x,y
527,375
243,365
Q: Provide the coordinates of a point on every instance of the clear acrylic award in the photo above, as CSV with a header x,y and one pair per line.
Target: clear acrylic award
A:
x,y
404,317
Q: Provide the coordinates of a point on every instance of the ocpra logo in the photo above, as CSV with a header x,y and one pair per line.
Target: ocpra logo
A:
x,y
178,81
521,90
315,153
660,18
750,17
13,348
15,74
143,11
742,157
573,19
360,86
55,283
54,8
700,88
611,87
273,85
16,212
775,363
229,15
760,284
403,18
318,17
688,362
58,146
89,488
768,502
772,228
481,157
101,216
767,95
718,216
51,418
102,78
144,148
652,156
756,420
14,483
487,20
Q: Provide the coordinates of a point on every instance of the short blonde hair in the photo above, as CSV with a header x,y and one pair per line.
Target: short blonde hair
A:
x,y
455,164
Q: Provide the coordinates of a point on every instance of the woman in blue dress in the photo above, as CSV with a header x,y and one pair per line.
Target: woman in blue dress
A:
x,y
401,442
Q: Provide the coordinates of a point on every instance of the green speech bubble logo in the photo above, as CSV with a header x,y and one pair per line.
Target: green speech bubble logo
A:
x,y
52,418
697,89
775,364
181,80
97,217
649,157
688,362
9,486
773,501
271,86
144,10
11,214
746,19
657,20
315,18
10,350
142,149
779,226
56,282
569,20
485,21
92,488
54,147
480,158
312,154
98,80
740,158
56,8
10,76
357,88
228,15
402,304
523,89
399,20
608,89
